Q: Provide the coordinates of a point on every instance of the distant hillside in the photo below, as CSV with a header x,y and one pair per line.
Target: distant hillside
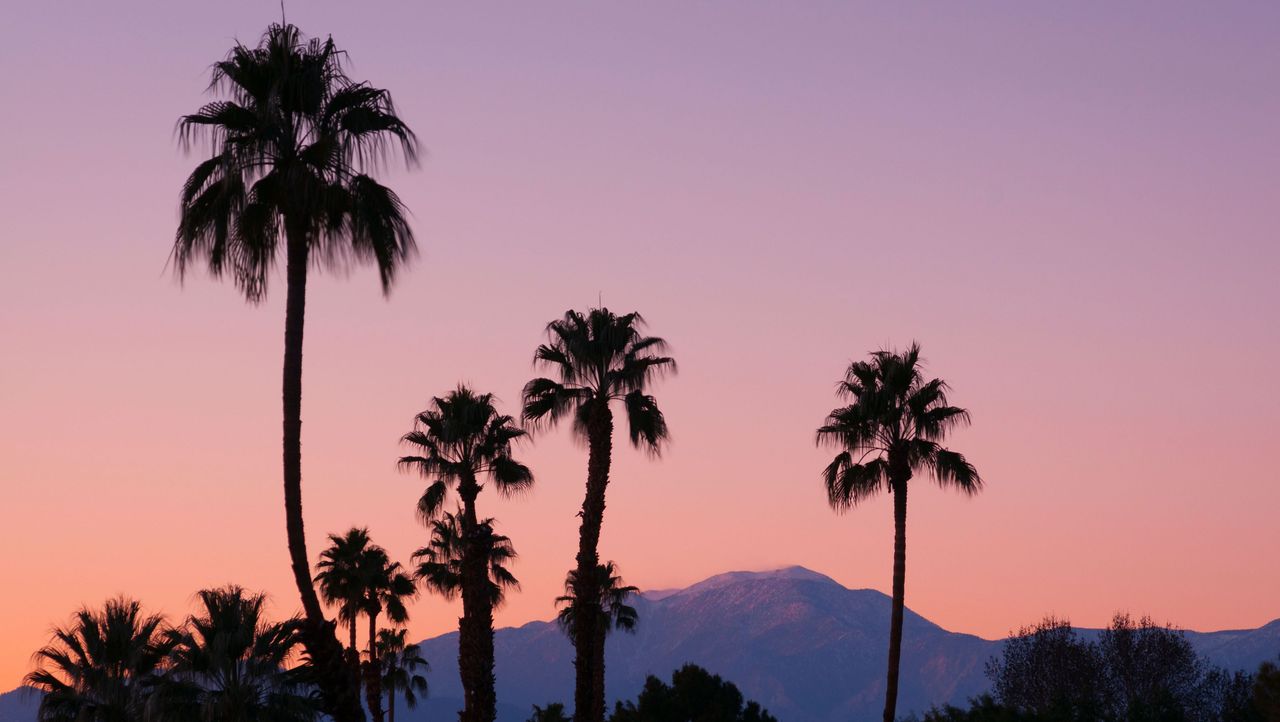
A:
x,y
19,705
801,644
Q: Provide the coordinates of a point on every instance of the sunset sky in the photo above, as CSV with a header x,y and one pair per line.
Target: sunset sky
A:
x,y
1073,207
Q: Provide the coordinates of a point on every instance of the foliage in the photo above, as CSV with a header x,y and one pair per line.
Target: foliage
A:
x,y
401,663
890,430
599,357
460,438
440,562
1136,671
230,663
553,712
609,600
102,666
342,575
694,695
291,139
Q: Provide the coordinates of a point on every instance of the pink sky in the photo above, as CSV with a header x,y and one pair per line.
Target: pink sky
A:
x,y
1072,207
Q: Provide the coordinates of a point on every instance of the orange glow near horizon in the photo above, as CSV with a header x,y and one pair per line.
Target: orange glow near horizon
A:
x,y
1075,216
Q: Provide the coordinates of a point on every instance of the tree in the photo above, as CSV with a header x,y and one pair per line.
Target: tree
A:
x,y
598,358
400,665
1047,668
339,574
891,430
609,604
553,712
230,663
1134,672
461,439
102,667
694,694
291,140
1266,691
442,568
387,589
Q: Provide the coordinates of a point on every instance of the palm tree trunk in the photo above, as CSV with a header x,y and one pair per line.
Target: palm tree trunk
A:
x,y
597,679
391,705
355,651
899,583
372,675
475,629
588,707
338,696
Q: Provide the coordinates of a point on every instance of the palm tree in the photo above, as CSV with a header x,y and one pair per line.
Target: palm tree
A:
x,y
890,430
609,605
341,584
461,439
598,357
102,667
400,662
230,663
291,139
387,588
444,566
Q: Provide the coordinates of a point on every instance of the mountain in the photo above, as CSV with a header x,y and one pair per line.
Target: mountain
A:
x,y
798,642
19,705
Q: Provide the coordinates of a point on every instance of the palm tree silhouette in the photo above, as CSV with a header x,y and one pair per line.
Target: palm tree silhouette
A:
x,y
292,139
230,663
388,586
444,565
400,665
609,605
599,357
103,666
461,439
341,584
890,430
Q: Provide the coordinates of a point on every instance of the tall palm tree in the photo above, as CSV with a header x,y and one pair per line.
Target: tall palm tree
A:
x,y
400,665
462,440
342,584
388,586
444,565
598,357
230,663
610,606
890,430
291,138
102,667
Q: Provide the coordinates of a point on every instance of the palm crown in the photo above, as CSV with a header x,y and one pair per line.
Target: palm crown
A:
x,y
891,429
229,663
387,586
342,572
291,141
599,357
610,604
440,562
460,439
401,663
101,667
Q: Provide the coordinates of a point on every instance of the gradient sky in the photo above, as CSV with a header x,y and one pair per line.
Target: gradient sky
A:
x,y
1073,206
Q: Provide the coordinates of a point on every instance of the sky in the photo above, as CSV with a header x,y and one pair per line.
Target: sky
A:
x,y
1071,206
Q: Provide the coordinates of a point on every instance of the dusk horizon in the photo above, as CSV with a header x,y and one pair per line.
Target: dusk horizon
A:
x,y
1063,215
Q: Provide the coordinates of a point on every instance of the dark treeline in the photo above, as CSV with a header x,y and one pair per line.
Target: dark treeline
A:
x,y
1134,671
693,694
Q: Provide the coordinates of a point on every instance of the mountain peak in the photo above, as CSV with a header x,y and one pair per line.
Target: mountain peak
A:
x,y
792,573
